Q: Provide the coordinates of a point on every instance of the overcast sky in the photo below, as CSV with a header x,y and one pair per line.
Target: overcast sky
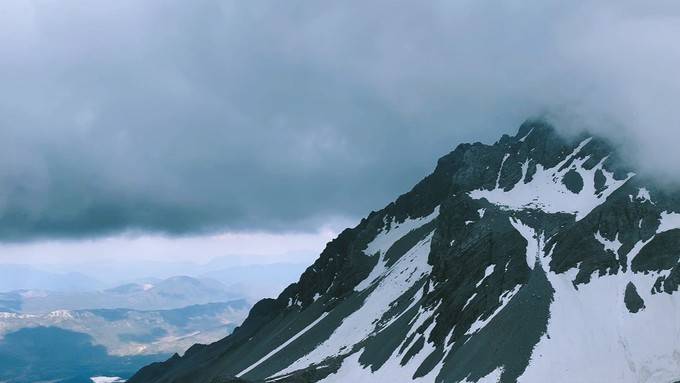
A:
x,y
197,118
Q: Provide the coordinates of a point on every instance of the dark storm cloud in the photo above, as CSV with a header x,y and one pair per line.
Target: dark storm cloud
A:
x,y
183,117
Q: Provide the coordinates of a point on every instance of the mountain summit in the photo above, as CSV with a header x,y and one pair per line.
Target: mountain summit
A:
x,y
538,258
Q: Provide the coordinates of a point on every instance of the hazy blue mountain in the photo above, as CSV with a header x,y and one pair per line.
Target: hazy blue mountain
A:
x,y
117,272
257,281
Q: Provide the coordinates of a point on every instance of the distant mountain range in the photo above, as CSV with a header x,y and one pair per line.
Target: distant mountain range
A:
x,y
106,340
124,326
251,281
119,329
173,292
133,332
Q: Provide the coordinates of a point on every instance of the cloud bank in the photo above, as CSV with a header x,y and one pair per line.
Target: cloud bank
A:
x,y
183,117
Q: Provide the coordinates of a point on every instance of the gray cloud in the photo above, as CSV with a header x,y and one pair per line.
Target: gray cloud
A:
x,y
185,117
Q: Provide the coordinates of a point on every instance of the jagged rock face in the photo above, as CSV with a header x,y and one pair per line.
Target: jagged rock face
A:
x,y
535,259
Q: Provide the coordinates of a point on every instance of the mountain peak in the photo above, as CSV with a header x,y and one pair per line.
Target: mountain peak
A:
x,y
535,125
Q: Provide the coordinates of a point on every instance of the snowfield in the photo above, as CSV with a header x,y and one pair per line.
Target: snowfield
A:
x,y
547,192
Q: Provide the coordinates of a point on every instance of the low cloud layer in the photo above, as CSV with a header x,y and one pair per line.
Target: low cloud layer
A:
x,y
184,117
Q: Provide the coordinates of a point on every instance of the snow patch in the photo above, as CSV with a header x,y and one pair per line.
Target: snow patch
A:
x,y
643,195
385,239
547,192
613,246
614,344
591,327
532,238
668,221
489,270
500,170
293,302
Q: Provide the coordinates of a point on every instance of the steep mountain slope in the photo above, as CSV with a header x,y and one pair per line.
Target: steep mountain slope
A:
x,y
537,258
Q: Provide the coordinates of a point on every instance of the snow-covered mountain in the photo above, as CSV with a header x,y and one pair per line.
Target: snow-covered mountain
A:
x,y
538,258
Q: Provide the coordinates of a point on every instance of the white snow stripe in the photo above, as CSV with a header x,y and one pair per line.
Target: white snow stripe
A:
x,y
532,238
385,239
282,346
498,178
